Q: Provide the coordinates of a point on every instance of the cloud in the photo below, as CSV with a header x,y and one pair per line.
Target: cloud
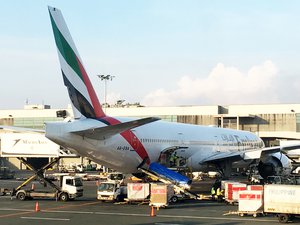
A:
x,y
223,85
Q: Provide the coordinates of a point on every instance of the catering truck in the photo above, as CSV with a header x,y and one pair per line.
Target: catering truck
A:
x,y
70,187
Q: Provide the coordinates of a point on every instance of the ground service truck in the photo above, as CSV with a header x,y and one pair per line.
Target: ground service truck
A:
x,y
111,191
282,200
70,187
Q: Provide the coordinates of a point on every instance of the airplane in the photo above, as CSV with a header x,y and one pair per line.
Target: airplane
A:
x,y
127,144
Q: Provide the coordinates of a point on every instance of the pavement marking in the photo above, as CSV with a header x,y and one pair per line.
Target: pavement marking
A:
x,y
168,216
214,218
71,206
122,214
12,209
168,224
45,218
17,214
135,214
66,211
24,211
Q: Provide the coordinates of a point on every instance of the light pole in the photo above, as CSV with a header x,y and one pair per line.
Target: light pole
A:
x,y
105,78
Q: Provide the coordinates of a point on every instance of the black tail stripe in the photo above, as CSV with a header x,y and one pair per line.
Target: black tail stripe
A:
x,y
78,100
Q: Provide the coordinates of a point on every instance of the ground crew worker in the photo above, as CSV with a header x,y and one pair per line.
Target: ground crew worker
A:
x,y
219,194
173,159
213,192
216,189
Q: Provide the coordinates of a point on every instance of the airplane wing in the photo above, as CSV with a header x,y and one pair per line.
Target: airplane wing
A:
x,y
22,129
234,156
249,155
107,131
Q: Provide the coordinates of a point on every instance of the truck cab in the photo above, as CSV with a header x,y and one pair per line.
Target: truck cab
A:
x,y
111,191
72,185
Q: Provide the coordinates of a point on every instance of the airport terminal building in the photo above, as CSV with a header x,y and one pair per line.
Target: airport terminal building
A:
x,y
272,122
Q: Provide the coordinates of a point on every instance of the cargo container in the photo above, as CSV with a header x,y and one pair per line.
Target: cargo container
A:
x,y
232,191
250,202
282,200
138,191
160,194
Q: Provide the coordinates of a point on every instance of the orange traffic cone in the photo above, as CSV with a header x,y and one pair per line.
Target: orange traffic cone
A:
x,y
152,211
37,208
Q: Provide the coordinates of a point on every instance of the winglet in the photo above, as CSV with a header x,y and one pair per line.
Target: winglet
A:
x,y
81,92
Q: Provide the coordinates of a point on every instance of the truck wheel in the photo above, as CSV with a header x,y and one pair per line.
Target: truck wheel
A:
x,y
283,218
174,199
64,197
21,196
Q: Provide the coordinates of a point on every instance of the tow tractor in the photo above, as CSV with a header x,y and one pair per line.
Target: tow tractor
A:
x,y
111,191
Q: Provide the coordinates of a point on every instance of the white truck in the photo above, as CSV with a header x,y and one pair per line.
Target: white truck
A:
x,y
70,188
282,200
111,191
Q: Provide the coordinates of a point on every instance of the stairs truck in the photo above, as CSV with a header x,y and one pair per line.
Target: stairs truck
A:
x,y
70,187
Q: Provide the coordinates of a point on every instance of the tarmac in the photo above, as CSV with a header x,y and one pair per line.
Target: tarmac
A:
x,y
87,210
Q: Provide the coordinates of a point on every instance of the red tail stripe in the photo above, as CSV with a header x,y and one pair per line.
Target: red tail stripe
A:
x,y
95,102
132,139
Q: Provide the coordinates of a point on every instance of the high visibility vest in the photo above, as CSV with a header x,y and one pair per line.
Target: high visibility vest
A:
x,y
213,191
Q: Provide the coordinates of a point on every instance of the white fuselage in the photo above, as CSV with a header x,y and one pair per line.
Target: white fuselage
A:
x,y
194,142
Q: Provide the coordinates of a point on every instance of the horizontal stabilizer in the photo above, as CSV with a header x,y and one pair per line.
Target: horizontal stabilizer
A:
x,y
21,129
107,131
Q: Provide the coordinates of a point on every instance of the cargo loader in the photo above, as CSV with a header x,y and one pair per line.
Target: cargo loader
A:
x,y
70,188
161,173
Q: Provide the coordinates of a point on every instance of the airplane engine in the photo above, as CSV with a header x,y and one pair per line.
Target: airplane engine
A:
x,y
274,164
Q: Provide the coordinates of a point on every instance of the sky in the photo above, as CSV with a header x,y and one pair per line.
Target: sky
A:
x,y
161,52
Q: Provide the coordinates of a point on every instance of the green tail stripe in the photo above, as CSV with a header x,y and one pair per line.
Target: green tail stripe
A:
x,y
65,49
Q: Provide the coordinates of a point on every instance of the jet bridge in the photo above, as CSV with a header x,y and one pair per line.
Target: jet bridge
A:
x,y
161,173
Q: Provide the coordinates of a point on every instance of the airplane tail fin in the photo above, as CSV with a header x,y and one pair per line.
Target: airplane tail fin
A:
x,y
81,92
